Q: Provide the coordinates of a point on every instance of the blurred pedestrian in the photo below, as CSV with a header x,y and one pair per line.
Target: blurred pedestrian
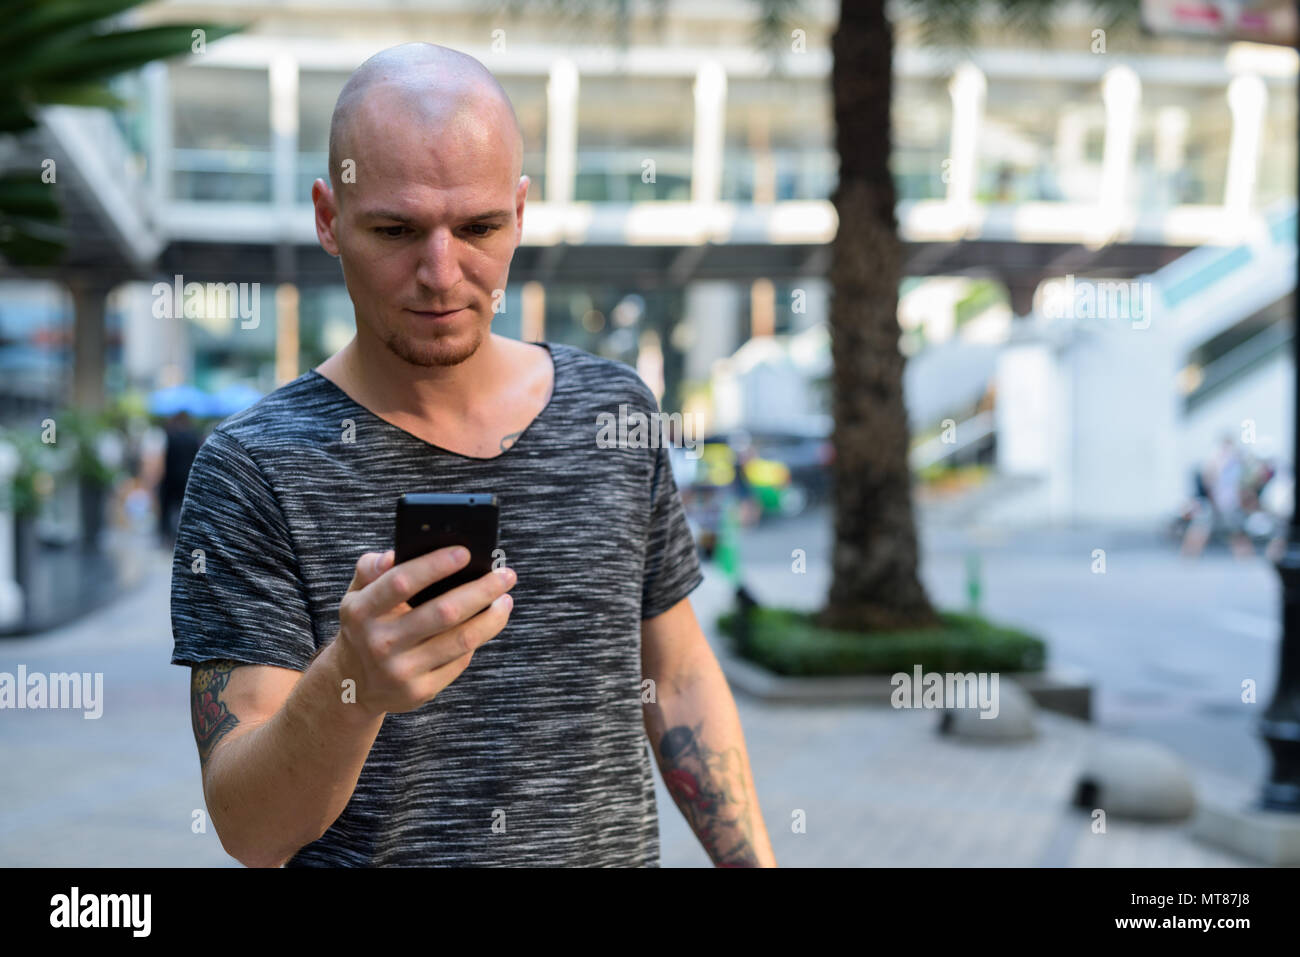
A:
x,y
1221,481
182,446
749,510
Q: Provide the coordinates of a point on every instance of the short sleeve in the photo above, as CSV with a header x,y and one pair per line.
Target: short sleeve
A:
x,y
236,589
672,562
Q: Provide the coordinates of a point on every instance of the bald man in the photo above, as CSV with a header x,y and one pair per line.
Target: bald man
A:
x,y
504,723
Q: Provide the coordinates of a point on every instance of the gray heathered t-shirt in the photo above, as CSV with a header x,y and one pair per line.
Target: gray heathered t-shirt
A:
x,y
543,733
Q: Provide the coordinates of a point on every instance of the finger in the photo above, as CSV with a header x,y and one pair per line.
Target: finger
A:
x,y
369,567
450,646
404,581
433,684
452,608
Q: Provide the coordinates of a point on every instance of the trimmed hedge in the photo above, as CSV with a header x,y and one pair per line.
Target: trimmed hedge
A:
x,y
787,642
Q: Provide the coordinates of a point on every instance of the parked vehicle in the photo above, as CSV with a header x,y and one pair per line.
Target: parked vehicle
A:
x,y
807,456
764,475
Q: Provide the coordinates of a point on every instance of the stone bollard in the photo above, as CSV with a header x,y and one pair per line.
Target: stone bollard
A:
x,y
1135,779
1012,721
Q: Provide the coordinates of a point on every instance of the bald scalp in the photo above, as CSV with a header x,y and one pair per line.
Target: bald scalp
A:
x,y
436,84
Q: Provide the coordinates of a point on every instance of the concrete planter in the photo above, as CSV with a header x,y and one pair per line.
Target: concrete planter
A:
x,y
1063,691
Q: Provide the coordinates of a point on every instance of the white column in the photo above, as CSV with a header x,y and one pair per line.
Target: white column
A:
x,y
967,89
142,343
1121,91
151,344
1126,421
1247,97
1025,419
284,134
160,133
712,316
561,131
710,132
11,593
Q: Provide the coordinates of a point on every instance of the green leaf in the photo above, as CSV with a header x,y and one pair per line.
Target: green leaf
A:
x,y
50,228
68,94
98,57
15,117
24,194
60,51
42,21
28,251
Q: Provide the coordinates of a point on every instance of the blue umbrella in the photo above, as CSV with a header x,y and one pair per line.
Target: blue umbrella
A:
x,y
233,398
178,398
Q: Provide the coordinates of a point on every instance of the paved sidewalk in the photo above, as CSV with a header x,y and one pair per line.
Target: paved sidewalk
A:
x,y
880,787
120,790
877,786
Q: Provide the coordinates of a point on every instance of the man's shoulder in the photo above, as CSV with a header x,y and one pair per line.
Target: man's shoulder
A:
x,y
603,381
283,418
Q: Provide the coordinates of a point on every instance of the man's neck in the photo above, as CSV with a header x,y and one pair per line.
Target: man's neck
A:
x,y
390,387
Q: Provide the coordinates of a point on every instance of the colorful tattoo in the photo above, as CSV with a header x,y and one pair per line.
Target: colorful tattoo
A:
x,y
709,787
212,719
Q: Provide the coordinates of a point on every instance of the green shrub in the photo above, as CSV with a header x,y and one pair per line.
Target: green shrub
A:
x,y
788,642
33,481
88,430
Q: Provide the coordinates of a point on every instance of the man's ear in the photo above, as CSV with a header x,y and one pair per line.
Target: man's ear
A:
x,y
327,216
521,193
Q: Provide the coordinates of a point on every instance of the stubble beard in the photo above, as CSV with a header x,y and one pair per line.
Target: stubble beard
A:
x,y
446,350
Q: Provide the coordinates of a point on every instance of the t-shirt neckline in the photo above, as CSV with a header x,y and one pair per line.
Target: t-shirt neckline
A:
x,y
555,391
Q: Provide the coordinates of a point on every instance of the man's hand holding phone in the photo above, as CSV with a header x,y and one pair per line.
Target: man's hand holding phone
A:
x,y
402,657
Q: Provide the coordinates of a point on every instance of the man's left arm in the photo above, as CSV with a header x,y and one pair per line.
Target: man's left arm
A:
x,y
695,732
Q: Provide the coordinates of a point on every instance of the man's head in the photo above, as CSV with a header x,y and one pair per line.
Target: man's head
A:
x,y
425,204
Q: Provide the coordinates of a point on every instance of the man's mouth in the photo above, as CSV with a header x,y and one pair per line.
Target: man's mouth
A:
x,y
430,314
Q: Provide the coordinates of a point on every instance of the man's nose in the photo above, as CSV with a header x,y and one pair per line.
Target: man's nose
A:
x,y
439,269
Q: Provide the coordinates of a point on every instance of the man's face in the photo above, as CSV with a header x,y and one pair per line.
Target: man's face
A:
x,y
429,226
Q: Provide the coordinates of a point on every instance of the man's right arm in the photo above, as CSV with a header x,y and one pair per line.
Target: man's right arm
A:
x,y
281,752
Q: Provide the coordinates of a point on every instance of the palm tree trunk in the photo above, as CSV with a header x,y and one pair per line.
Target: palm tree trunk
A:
x,y
874,565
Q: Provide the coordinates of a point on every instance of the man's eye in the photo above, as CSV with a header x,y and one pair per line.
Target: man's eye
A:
x,y
389,232
486,227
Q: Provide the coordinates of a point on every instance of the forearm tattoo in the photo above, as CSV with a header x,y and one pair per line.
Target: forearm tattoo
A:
x,y
709,787
212,718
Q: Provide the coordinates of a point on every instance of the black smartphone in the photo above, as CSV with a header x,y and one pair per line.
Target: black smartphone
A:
x,y
428,521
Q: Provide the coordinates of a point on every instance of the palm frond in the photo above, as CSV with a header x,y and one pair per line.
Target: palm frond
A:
x,y
61,52
772,31
29,24
957,22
